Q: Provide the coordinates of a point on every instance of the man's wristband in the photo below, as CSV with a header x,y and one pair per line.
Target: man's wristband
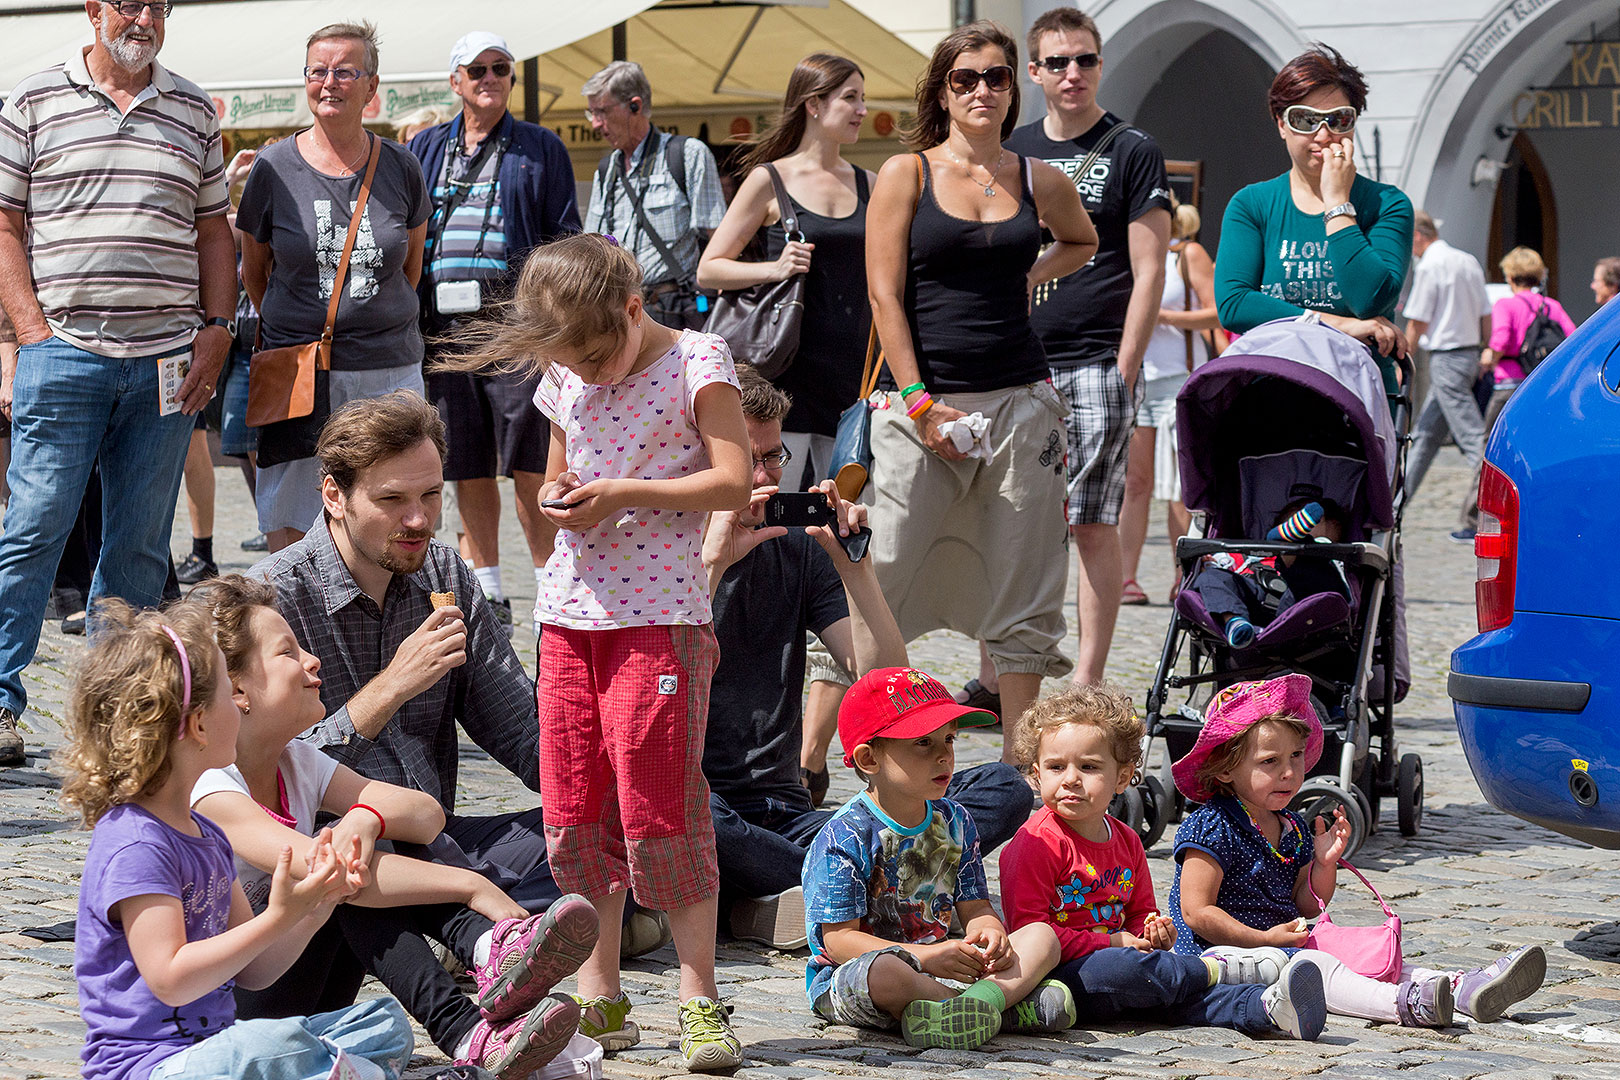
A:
x,y
380,819
909,389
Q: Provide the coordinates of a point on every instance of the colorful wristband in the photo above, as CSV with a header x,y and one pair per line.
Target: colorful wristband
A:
x,y
380,819
920,406
909,389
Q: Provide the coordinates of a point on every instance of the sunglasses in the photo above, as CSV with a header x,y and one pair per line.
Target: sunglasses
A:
x,y
1058,64
965,80
1304,120
476,71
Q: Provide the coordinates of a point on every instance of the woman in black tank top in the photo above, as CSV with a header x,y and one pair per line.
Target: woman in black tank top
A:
x,y
953,249
822,113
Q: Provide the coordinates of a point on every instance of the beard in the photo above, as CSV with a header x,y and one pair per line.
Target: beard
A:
x,y
402,562
130,55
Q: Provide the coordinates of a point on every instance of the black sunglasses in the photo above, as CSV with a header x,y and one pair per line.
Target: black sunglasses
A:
x,y
1057,64
476,71
966,80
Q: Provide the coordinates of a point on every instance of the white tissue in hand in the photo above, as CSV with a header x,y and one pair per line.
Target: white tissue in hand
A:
x,y
967,435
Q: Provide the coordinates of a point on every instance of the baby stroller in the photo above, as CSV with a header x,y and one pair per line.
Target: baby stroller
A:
x,y
1292,410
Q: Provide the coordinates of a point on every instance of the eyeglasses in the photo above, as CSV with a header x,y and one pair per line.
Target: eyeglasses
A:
x,y
965,80
776,459
341,74
131,9
1304,120
1057,64
476,71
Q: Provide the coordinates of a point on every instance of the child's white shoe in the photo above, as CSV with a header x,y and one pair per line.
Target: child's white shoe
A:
x,y
1263,966
1296,1002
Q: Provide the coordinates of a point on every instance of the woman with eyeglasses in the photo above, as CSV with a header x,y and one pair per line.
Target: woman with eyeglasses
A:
x,y
1319,237
294,218
967,475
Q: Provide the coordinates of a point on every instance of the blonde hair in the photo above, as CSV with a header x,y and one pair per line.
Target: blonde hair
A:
x,y
1099,706
1229,755
124,712
571,294
1185,222
1523,266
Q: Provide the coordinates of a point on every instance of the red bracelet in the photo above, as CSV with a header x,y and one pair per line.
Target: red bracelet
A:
x,y
380,819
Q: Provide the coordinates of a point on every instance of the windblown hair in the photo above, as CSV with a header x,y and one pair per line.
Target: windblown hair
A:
x,y
368,430
762,402
816,76
571,294
231,599
1318,67
124,712
1100,706
1523,266
1229,755
363,32
933,121
1060,20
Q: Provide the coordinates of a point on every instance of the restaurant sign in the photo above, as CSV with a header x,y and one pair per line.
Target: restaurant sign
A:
x,y
286,107
1590,98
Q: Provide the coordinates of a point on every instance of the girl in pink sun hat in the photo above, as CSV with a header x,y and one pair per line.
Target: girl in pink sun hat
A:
x,y
1250,873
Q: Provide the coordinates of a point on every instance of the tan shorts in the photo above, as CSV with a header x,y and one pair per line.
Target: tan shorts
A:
x,y
979,548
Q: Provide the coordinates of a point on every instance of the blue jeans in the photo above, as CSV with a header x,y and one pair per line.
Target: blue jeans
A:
x,y
71,409
761,843
374,1034
236,439
1161,986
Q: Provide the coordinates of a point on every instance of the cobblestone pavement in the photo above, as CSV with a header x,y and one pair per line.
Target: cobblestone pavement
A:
x,y
1473,884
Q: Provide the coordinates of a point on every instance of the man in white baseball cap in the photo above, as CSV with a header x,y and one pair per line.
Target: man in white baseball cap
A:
x,y
500,187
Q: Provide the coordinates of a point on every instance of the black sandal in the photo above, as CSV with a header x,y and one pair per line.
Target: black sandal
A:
x,y
979,697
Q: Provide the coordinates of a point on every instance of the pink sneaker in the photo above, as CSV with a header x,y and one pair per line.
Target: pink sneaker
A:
x,y
516,1048
530,956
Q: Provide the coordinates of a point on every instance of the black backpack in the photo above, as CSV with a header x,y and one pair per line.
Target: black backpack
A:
x,y
1541,337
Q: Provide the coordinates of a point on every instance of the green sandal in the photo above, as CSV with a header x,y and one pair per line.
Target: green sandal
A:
x,y
612,1028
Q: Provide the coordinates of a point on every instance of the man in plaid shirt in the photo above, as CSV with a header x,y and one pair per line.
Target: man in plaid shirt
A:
x,y
398,673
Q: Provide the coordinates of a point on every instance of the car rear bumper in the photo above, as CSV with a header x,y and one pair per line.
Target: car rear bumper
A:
x,y
1532,706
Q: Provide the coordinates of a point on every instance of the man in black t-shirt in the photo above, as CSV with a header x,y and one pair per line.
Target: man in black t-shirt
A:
x,y
769,586
1095,323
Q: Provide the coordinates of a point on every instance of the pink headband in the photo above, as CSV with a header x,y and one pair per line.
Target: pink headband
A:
x,y
185,674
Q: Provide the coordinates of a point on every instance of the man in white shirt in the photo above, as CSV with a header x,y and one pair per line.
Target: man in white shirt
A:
x,y
1449,313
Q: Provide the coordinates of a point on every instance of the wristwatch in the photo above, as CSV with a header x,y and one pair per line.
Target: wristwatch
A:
x,y
1344,209
228,324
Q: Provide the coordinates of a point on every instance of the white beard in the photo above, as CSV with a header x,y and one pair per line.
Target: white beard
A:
x,y
129,55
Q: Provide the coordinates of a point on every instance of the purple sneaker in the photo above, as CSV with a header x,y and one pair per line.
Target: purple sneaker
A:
x,y
1424,1004
530,956
1488,992
516,1048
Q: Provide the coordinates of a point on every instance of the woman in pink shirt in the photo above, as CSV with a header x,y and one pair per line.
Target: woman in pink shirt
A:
x,y
1511,317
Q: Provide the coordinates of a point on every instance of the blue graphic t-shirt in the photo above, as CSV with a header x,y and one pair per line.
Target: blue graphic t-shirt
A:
x,y
901,883
1257,886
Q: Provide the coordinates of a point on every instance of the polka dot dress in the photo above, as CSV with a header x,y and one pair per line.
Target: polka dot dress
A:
x,y
643,567
1257,887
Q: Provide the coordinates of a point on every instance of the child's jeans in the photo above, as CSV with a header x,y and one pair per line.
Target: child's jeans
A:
x,y
374,1035
622,716
1162,986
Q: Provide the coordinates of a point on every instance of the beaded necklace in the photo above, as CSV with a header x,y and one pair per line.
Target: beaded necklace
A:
x,y
1288,827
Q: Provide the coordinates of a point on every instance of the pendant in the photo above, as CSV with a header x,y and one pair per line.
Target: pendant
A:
x,y
990,190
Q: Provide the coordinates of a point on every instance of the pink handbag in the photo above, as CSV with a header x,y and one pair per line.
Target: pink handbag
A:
x,y
1373,951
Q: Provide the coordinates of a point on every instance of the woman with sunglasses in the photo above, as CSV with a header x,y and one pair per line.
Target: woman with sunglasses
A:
x,y
1318,237
293,220
967,473
821,114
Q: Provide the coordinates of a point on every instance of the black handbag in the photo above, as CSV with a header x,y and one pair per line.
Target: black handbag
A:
x,y
761,323
852,447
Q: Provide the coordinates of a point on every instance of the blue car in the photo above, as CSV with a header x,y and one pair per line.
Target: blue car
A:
x,y
1537,690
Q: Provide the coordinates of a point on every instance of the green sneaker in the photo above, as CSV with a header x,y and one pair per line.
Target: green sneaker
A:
x,y
1049,1007
607,1020
962,1023
707,1041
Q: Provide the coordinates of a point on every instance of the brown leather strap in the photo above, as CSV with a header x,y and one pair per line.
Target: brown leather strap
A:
x,y
323,355
1186,298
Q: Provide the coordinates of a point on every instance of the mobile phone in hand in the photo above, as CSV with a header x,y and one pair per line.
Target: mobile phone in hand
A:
x,y
799,508
558,504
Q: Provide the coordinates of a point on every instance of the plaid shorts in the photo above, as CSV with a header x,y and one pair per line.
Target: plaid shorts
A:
x,y
842,994
1102,413
622,719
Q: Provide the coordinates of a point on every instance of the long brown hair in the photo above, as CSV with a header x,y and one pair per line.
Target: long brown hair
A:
x,y
933,121
816,76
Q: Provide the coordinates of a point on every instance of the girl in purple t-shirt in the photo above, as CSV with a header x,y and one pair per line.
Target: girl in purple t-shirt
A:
x,y
164,928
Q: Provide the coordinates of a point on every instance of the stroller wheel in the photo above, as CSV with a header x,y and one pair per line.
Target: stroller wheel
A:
x,y
1130,807
1156,807
1319,797
1409,793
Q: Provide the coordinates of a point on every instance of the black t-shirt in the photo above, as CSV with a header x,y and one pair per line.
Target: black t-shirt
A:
x,y
762,607
1080,317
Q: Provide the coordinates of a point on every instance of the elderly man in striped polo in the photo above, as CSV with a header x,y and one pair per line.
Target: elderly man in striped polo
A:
x,y
115,258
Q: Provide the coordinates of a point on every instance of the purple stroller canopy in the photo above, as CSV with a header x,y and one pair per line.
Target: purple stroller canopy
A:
x,y
1285,385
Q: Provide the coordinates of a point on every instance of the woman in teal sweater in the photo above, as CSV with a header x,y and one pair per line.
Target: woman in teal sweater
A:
x,y
1319,237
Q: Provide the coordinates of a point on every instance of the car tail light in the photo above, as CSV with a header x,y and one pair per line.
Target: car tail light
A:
x,y
1496,546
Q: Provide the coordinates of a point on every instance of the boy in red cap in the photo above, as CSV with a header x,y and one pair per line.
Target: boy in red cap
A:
x,y
883,877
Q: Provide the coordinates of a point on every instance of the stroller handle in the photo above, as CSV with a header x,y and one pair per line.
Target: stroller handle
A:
x,y
1369,555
